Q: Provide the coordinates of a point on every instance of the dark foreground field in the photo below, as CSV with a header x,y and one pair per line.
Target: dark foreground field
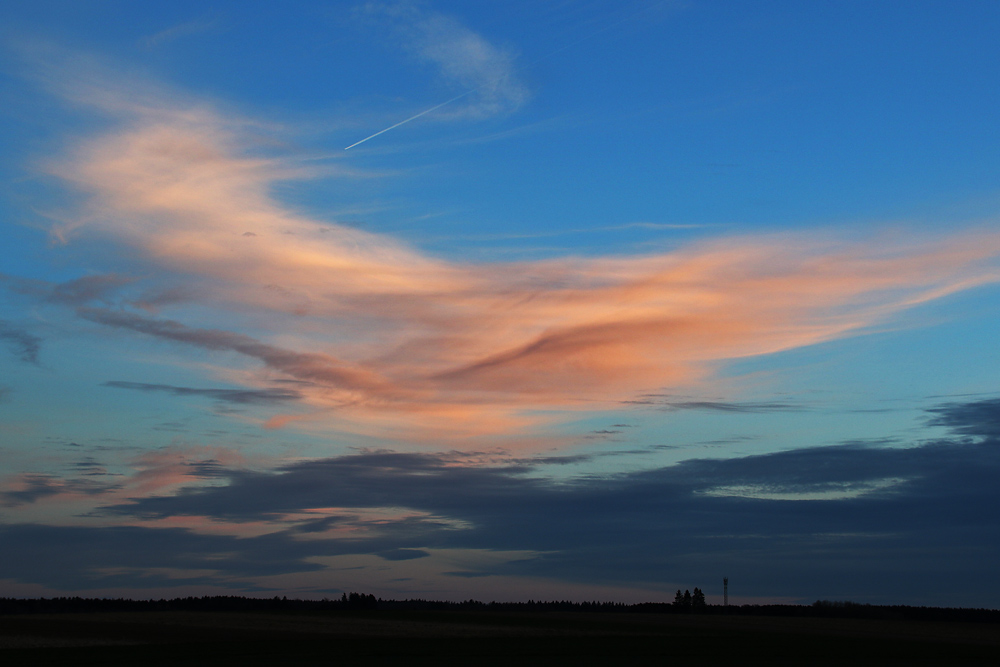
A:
x,y
456,637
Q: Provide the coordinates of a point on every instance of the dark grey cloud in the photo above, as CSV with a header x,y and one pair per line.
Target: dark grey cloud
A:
x,y
318,525
89,467
403,554
665,525
24,345
35,487
81,558
910,524
976,418
370,479
208,469
239,396
565,459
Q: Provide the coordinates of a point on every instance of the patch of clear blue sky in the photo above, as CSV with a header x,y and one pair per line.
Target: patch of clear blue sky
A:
x,y
775,116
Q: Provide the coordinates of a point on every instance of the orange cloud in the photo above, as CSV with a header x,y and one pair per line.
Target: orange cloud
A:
x,y
164,470
384,339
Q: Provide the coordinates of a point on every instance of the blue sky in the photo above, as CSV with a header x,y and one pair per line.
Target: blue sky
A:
x,y
641,295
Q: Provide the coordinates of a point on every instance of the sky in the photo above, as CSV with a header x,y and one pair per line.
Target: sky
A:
x,y
581,300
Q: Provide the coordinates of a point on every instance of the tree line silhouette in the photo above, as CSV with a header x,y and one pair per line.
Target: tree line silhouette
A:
x,y
690,601
686,602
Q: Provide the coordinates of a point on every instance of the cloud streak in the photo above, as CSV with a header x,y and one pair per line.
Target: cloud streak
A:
x,y
239,396
391,341
29,488
178,31
76,292
464,59
24,345
715,406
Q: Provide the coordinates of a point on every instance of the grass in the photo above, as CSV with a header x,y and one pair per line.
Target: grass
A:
x,y
484,638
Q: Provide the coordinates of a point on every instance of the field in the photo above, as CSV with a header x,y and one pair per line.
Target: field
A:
x,y
484,638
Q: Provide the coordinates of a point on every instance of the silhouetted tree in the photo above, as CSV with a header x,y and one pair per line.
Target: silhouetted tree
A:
x,y
697,599
687,598
679,599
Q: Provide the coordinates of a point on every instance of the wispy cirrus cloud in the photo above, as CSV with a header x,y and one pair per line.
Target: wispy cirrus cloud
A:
x,y
89,480
178,31
463,58
74,292
240,396
24,345
391,341
675,403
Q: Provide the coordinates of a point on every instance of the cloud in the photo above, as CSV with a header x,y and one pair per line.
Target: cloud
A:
x,y
871,523
171,468
89,480
433,483
324,369
464,59
24,345
403,554
449,485
32,488
858,521
86,289
715,406
29,488
239,396
978,418
394,343
81,558
178,31
89,467
76,292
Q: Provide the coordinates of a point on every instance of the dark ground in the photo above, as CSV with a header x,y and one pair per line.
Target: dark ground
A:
x,y
494,638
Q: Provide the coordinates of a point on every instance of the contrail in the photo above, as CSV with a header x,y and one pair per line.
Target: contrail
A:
x,y
548,55
403,122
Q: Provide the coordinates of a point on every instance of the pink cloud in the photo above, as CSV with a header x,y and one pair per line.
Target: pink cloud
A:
x,y
386,340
